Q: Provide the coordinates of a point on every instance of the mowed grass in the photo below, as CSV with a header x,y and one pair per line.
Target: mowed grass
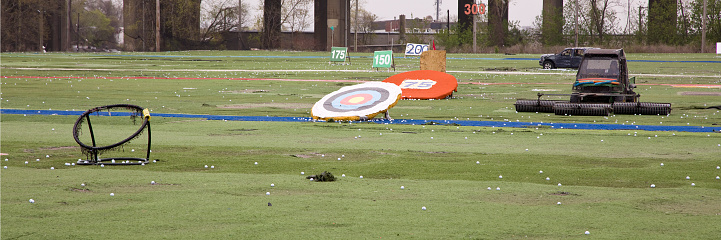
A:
x,y
605,176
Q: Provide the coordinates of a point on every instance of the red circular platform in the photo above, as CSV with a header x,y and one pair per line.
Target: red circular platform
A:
x,y
424,84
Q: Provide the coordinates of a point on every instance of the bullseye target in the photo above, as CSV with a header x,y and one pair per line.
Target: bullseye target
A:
x,y
362,101
424,84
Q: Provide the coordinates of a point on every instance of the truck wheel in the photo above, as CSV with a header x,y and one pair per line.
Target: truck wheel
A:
x,y
548,65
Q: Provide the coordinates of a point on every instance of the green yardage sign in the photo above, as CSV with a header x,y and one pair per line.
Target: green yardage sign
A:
x,y
383,59
338,54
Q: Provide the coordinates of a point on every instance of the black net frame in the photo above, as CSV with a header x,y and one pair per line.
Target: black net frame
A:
x,y
93,151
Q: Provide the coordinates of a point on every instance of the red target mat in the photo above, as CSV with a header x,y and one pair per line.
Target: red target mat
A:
x,y
424,84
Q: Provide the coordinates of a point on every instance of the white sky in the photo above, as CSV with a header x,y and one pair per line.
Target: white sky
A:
x,y
524,11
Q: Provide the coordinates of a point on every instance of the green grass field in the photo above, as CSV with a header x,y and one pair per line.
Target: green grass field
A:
x,y
604,175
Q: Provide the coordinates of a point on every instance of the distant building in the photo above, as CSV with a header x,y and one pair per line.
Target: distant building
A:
x,y
415,25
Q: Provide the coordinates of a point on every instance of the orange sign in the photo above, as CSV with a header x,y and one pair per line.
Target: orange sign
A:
x,y
424,84
475,9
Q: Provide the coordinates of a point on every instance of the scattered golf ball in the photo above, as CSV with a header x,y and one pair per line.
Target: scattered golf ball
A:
x,y
82,184
31,201
52,168
500,176
402,187
37,159
152,182
423,208
559,184
26,162
267,193
212,166
548,178
112,194
206,166
718,167
489,188
256,163
661,164
498,188
302,173
540,172
558,203
342,175
338,159
688,177
693,184
361,176
653,185
102,165
587,232
272,185
478,162
5,167
717,177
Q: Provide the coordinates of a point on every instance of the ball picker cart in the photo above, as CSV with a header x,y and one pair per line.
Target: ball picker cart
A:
x,y
111,123
602,87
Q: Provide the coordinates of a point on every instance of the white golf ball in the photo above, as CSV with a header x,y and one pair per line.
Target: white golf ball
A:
x,y
52,168
688,177
661,164
267,193
338,159
31,201
206,166
423,208
102,165
212,166
342,175
112,194
402,187
82,184
498,188
587,232
718,167
559,184
558,203
717,177
361,176
540,172
478,162
500,176
548,178
152,182
653,185
302,173
693,184
26,162
5,167
272,185
256,163
489,188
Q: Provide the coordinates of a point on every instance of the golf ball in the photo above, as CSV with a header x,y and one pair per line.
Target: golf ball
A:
x,y
212,166
26,162
5,167
256,163
478,162
361,176
32,201
302,173
559,184
267,193
693,184
52,168
587,232
402,187
688,177
112,194
540,172
102,165
272,185
661,164
498,188
342,175
206,166
423,208
338,159
653,185
47,156
489,188
717,177
500,176
152,182
558,203
718,167
548,178
82,184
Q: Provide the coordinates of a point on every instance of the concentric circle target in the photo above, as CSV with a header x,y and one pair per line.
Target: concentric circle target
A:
x,y
362,101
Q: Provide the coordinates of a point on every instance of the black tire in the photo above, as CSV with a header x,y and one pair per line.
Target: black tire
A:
x,y
548,65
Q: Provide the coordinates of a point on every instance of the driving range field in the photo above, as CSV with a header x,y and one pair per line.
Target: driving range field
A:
x,y
468,167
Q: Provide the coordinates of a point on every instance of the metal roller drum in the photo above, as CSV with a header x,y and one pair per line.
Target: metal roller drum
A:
x,y
582,109
643,108
527,105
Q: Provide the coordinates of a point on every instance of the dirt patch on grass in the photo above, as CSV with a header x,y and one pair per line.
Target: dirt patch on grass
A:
x,y
80,190
268,105
59,148
700,93
246,91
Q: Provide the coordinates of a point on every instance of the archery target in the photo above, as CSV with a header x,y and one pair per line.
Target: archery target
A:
x,y
358,101
424,84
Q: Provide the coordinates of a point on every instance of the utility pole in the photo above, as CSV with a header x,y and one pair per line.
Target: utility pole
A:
x,y
703,28
157,25
355,46
240,23
575,19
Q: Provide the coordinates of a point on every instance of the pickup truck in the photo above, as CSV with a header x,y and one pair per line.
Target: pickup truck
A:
x,y
568,58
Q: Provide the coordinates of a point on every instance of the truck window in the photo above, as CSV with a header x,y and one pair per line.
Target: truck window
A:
x,y
599,68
